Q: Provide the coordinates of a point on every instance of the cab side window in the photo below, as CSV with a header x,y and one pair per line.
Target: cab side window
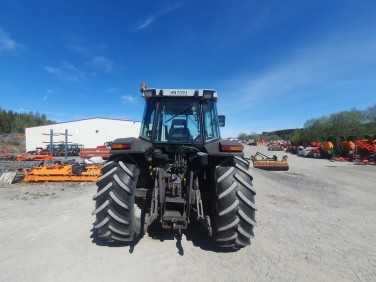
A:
x,y
147,125
211,122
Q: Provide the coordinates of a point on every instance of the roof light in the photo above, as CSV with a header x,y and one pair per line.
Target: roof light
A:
x,y
208,94
121,146
149,93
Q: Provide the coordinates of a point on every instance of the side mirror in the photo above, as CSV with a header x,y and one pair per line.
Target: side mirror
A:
x,y
222,121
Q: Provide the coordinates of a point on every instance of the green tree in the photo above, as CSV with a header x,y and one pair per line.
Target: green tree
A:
x,y
243,136
346,123
370,114
11,121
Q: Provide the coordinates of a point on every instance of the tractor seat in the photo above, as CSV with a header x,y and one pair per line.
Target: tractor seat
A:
x,y
179,131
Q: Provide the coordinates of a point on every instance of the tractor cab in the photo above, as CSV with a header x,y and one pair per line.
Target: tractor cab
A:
x,y
180,117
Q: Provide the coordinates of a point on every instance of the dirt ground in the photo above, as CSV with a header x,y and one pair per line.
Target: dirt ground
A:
x,y
316,222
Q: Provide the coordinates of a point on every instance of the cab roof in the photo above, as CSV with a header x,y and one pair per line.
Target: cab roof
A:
x,y
181,93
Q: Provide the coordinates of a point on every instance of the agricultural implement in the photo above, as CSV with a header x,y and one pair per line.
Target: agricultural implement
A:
x,y
100,151
31,157
60,172
264,162
6,155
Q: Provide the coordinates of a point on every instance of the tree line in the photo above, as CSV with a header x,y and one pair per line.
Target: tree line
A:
x,y
13,122
352,123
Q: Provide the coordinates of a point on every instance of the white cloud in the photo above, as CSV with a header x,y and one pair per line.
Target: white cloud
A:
x,y
128,99
291,91
101,63
63,116
113,89
152,18
54,71
7,43
86,49
20,110
74,71
78,49
67,72
47,93
316,66
100,47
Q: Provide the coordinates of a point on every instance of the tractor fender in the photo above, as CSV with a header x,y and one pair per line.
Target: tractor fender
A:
x,y
214,149
137,146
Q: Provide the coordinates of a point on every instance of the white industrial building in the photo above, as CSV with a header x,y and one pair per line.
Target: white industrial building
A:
x,y
89,132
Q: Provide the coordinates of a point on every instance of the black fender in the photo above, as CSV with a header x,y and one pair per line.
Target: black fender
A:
x,y
215,149
136,146
217,156
136,152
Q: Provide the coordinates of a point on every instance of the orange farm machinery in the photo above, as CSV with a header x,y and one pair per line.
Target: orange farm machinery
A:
x,y
58,172
264,162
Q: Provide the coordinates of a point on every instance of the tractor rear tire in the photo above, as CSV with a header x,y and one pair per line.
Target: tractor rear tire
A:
x,y
234,205
118,219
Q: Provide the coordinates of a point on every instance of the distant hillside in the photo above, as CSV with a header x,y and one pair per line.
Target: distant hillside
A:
x,y
14,143
13,122
281,133
342,125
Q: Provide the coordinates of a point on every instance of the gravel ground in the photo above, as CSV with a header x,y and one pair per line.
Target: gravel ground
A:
x,y
316,222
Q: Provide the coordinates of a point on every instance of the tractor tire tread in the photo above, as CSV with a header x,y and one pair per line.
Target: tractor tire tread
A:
x,y
234,206
116,213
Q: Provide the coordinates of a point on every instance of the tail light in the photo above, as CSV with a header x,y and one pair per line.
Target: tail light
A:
x,y
231,148
121,146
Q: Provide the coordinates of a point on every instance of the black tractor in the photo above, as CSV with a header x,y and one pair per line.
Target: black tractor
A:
x,y
180,170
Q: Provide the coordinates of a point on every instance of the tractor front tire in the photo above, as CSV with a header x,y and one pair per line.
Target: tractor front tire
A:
x,y
234,205
118,219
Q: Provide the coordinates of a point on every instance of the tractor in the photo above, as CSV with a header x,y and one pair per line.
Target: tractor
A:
x,y
177,170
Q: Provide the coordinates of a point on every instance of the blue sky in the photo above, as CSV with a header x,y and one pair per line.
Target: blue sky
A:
x,y
275,64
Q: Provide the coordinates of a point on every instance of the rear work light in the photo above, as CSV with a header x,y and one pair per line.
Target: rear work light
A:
x,y
231,148
149,93
124,146
208,94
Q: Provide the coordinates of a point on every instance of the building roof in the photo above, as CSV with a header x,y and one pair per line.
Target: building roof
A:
x,y
86,119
